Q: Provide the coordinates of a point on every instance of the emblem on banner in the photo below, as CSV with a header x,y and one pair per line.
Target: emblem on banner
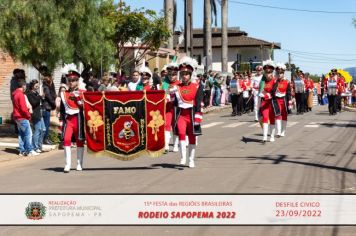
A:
x,y
156,122
35,211
95,121
126,133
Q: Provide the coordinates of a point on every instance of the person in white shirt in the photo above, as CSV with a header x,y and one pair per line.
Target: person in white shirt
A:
x,y
135,79
256,79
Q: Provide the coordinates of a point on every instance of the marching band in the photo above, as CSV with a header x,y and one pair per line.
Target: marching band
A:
x,y
267,92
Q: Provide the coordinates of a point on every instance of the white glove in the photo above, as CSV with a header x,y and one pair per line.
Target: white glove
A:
x,y
173,90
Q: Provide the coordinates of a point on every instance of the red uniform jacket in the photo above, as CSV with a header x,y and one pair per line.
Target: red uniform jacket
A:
x,y
189,97
246,84
340,85
268,87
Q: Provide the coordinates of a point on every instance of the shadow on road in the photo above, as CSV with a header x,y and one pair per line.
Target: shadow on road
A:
x,y
11,150
169,166
282,158
250,140
60,169
330,125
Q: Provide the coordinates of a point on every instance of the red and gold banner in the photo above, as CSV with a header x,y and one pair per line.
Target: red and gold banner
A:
x,y
125,124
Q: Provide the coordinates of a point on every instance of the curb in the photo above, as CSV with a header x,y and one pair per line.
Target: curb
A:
x,y
351,109
216,108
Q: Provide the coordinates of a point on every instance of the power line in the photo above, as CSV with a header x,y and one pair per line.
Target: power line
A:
x,y
323,58
292,9
318,53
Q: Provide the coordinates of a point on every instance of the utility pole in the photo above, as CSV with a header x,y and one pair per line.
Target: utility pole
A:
x,y
188,25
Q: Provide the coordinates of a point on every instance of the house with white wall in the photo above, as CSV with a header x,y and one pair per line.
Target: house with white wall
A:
x,y
242,49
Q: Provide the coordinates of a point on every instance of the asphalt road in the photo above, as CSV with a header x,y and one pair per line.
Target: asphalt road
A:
x,y
316,156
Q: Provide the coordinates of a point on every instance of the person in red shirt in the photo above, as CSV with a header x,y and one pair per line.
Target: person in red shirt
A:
x,y
72,111
247,98
188,116
22,117
266,87
340,90
283,98
309,92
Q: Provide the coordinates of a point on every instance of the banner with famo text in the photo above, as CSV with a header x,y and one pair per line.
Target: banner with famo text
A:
x,y
125,124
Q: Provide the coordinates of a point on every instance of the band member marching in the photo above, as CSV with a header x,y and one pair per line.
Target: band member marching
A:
x,y
188,115
170,80
256,79
73,122
330,85
146,82
267,109
340,90
283,98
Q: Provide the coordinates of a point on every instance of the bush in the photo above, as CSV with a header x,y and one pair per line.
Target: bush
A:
x,y
54,137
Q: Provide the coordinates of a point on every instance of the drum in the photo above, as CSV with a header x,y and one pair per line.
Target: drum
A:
x,y
299,86
234,86
332,87
245,94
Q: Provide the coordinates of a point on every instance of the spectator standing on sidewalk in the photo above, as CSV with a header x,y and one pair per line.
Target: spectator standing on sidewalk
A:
x,y
22,117
18,74
207,90
35,100
135,79
49,104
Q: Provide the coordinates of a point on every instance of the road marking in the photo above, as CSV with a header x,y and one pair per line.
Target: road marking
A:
x,y
291,123
234,125
9,144
255,125
312,125
212,124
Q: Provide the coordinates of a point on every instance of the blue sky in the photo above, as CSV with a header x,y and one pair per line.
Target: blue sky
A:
x,y
321,41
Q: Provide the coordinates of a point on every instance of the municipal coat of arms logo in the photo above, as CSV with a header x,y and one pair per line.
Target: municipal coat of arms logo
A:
x,y
35,211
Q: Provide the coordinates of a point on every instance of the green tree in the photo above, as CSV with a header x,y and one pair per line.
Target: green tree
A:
x,y
141,29
45,33
34,33
91,32
293,68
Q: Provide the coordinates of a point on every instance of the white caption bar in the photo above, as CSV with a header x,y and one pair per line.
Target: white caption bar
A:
x,y
178,209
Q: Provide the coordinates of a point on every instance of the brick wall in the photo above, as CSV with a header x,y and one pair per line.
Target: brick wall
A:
x,y
7,65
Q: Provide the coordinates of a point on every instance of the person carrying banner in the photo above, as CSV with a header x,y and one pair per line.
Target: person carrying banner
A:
x,y
73,123
188,115
146,82
283,98
266,94
330,86
169,81
256,79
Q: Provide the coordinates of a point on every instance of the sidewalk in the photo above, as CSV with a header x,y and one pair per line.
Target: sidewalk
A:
x,y
9,144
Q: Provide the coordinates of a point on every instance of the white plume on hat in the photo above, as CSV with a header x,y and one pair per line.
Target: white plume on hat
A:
x,y
69,67
72,67
268,63
171,65
188,61
145,69
281,66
